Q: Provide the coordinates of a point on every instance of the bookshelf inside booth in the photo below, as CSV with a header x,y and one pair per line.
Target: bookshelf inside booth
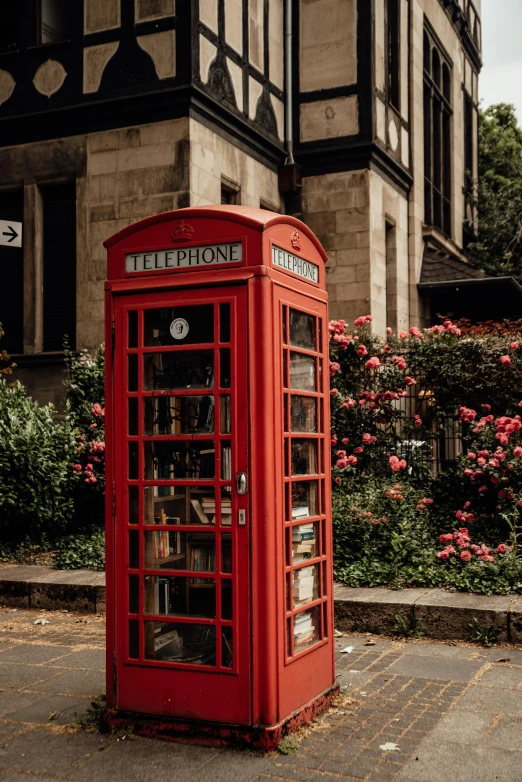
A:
x,y
180,411
304,443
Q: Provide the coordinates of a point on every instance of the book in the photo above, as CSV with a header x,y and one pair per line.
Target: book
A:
x,y
300,512
199,511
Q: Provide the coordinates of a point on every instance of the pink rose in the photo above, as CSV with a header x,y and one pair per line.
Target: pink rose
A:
x,y
98,410
517,451
514,345
502,548
409,381
362,351
359,449
345,440
366,438
403,335
373,362
389,330
442,555
334,392
334,367
505,361
465,556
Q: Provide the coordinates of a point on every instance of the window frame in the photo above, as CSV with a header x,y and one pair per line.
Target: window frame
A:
x,y
438,126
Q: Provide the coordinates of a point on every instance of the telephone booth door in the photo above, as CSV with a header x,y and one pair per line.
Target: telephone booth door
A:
x,y
182,545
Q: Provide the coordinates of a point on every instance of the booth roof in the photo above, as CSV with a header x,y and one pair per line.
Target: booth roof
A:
x,y
258,219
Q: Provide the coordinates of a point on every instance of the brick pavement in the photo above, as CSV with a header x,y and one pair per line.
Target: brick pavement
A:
x,y
453,711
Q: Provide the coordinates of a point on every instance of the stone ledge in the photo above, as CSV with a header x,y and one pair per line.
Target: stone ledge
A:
x,y
438,614
33,586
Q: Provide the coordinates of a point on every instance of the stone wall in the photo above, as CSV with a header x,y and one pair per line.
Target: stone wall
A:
x,y
349,211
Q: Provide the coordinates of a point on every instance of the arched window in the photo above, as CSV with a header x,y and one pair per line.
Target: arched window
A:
x,y
437,135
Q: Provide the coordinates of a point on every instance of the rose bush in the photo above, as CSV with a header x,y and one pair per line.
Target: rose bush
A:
x,y
464,531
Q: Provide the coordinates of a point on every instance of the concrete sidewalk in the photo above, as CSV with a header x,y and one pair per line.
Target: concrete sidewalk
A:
x,y
452,711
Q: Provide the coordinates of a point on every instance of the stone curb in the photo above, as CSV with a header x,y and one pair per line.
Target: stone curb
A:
x,y
33,586
434,612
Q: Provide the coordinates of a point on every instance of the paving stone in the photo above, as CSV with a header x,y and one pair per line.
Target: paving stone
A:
x,y
461,762
433,649
66,708
491,700
46,752
506,734
10,701
73,682
501,676
32,654
435,668
464,726
17,677
90,658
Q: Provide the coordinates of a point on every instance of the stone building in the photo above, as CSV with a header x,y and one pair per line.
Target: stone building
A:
x,y
358,116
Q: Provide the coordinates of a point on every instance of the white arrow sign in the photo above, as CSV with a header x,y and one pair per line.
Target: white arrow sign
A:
x,y
10,233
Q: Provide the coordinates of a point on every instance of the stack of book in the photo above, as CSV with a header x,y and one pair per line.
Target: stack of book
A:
x,y
304,585
304,630
303,542
208,505
300,512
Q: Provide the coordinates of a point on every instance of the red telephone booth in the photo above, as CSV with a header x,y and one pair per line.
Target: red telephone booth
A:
x,y
219,550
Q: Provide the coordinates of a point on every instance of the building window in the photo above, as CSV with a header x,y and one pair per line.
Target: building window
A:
x,y
269,206
59,265
12,280
391,275
53,20
229,192
393,51
437,135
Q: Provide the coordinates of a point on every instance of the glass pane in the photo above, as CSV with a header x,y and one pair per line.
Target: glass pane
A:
x,y
226,552
180,643
224,322
134,638
179,415
302,330
306,628
305,543
305,585
133,415
304,499
302,372
284,324
134,594
285,368
133,461
179,505
226,421
134,549
180,369
225,370
303,411
227,657
133,372
179,325
180,596
304,457
226,599
134,511
178,460
226,461
226,506
133,329
173,550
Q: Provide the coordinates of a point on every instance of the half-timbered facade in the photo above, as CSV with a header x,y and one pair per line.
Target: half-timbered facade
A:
x,y
358,116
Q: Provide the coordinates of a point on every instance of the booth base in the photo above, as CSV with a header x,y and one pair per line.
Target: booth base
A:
x,y
260,737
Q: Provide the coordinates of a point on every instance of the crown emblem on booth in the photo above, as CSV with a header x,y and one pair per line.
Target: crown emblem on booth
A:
x,y
296,241
182,232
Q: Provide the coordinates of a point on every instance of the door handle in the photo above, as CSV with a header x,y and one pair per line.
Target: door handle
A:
x,y
242,483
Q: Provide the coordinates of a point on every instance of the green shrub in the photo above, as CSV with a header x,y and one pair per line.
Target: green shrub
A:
x,y
84,404
36,452
80,551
